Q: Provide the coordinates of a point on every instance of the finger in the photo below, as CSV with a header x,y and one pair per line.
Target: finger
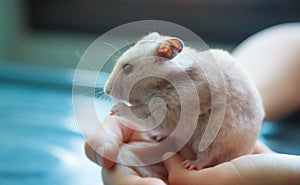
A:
x,y
178,175
123,175
260,148
104,155
266,169
173,162
257,169
103,146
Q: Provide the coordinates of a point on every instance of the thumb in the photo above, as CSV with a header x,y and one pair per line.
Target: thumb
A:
x,y
104,155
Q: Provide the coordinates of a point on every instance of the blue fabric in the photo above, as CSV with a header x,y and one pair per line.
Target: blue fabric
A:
x,y
283,136
39,139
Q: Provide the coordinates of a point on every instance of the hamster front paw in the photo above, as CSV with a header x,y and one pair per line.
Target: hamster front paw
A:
x,y
156,136
191,165
117,109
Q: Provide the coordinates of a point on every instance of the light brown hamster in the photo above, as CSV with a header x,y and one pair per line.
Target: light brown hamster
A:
x,y
167,56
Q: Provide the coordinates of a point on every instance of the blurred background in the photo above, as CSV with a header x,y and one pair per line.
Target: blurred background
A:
x,y
40,46
48,32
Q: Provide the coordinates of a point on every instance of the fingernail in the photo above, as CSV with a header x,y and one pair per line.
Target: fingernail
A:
x,y
100,155
167,155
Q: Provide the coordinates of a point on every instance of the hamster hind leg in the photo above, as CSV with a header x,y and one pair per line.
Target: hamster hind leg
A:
x,y
204,160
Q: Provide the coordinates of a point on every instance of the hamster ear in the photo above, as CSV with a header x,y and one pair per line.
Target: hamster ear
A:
x,y
170,48
156,34
151,35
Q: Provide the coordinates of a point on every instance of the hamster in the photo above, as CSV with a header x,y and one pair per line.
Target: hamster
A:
x,y
243,112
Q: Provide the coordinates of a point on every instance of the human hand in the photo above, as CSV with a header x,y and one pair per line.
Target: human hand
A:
x,y
263,167
105,142
105,146
271,57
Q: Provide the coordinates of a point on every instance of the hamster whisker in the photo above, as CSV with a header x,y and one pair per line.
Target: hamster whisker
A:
x,y
99,93
128,44
94,92
80,57
104,98
108,44
90,92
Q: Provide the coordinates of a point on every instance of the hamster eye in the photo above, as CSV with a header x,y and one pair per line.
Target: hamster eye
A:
x,y
127,68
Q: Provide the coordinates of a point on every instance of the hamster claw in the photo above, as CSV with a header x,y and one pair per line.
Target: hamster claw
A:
x,y
113,112
156,136
191,165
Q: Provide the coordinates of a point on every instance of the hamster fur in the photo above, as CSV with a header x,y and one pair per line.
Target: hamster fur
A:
x,y
244,110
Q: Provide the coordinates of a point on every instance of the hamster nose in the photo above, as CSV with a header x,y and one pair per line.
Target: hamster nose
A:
x,y
107,89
